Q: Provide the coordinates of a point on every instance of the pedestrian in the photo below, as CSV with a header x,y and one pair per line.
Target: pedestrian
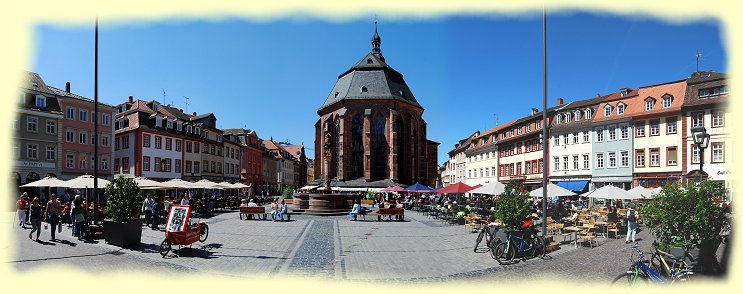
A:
x,y
35,215
631,225
79,214
147,209
21,206
184,200
28,206
166,204
53,214
156,208
66,209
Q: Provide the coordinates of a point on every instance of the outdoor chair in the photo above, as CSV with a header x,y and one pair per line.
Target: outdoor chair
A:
x,y
613,228
588,235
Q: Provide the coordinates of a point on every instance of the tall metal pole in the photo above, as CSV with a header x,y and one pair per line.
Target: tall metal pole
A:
x,y
95,128
544,121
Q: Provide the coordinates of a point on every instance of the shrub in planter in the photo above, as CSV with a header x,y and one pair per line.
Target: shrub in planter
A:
x,y
288,192
512,206
686,216
124,201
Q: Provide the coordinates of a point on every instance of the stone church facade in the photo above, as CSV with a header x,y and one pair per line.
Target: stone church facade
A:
x,y
375,128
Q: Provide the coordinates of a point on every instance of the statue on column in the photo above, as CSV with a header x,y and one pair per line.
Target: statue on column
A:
x,y
327,147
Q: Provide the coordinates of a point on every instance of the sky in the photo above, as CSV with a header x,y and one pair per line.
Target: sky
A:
x,y
469,72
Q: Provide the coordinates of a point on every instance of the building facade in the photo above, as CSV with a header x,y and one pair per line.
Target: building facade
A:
x,y
706,105
373,126
613,141
37,135
232,158
77,132
656,115
251,162
212,157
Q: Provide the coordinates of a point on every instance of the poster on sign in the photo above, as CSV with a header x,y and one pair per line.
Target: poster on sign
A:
x,y
178,218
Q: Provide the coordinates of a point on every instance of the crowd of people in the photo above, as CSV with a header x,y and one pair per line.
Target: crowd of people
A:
x,y
53,214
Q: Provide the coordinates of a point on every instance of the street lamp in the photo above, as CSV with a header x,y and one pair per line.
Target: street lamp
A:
x,y
701,140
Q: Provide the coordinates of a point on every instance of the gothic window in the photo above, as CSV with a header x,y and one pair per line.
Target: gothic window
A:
x,y
379,145
401,150
337,152
357,157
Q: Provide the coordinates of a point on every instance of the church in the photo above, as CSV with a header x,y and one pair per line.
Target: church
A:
x,y
371,129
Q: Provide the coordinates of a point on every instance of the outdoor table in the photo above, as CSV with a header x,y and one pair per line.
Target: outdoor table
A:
x,y
574,230
604,228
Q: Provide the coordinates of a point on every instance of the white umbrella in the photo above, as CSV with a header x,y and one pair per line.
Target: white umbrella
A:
x,y
178,184
495,188
224,185
642,192
145,183
85,181
206,184
46,182
239,186
552,191
611,192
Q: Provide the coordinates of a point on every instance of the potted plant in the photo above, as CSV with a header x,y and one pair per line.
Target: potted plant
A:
x,y
512,207
460,217
698,227
369,198
124,201
287,193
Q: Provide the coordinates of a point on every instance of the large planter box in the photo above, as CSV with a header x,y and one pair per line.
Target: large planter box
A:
x,y
289,201
122,234
367,201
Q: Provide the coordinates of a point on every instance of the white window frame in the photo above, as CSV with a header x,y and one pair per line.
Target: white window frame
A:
x,y
612,134
565,163
718,152
105,119
669,124
612,159
51,150
625,132
32,120
586,161
53,124
694,119
82,115
718,119
32,148
695,154
557,163
667,102
649,104
41,98
624,158
599,160
600,135
620,108
70,113
67,138
586,136
607,110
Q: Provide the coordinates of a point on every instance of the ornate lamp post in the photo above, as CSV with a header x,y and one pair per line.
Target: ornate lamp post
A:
x,y
701,140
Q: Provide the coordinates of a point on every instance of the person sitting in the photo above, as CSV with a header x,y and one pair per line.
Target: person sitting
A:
x,y
282,211
274,210
353,214
570,219
252,204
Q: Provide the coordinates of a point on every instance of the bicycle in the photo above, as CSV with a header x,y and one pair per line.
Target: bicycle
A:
x,y
488,233
642,272
529,246
679,268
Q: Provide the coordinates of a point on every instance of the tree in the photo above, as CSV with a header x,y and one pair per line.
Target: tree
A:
x,y
686,216
512,206
288,192
124,199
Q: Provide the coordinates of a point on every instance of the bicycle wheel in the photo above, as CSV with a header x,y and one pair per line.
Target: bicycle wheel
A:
x,y
204,232
629,279
479,239
683,277
165,247
502,253
538,249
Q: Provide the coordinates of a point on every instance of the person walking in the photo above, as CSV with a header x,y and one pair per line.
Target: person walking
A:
x,y
21,206
79,214
53,214
166,204
631,225
156,208
35,215
147,209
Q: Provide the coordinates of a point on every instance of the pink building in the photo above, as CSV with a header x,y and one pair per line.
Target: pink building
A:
x,y
78,138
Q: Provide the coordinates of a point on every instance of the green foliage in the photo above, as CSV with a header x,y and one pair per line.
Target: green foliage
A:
x,y
288,192
369,195
512,206
124,199
460,214
686,215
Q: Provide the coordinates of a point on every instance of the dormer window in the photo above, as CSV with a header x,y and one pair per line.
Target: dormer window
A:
x,y
22,99
620,108
568,117
667,101
623,92
170,124
588,113
121,124
364,89
179,126
40,101
198,131
649,104
559,119
607,110
336,94
577,115
158,122
34,84
369,61
189,129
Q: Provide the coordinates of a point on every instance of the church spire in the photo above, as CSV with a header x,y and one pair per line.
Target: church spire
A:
x,y
376,41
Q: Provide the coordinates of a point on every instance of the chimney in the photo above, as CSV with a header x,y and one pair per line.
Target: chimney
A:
x,y
181,110
598,95
194,113
67,87
131,99
560,101
534,111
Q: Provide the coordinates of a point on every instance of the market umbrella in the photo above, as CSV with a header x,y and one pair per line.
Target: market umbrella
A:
x,y
395,188
642,192
611,192
495,188
178,184
418,188
46,182
552,191
207,184
239,186
145,183
84,181
225,185
458,188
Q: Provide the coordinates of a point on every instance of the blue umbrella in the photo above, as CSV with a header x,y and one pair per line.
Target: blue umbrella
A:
x,y
419,188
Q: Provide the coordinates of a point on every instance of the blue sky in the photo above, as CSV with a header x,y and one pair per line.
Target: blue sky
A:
x,y
468,72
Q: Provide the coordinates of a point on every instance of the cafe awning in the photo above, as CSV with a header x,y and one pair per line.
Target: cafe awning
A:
x,y
576,186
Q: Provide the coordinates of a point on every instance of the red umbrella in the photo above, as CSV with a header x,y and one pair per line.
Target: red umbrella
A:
x,y
458,188
395,188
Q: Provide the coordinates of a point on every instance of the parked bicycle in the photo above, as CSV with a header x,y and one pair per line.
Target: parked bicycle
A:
x,y
525,243
487,232
641,272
